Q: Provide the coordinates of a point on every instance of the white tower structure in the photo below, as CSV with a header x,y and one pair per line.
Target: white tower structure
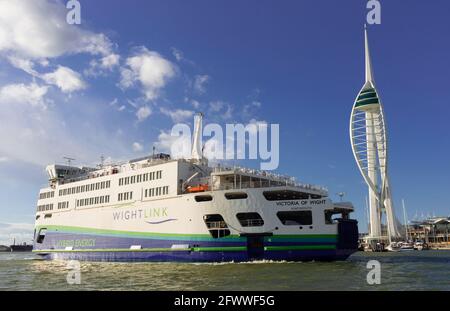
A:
x,y
369,145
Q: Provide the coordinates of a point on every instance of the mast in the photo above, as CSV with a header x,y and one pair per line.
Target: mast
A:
x,y
405,219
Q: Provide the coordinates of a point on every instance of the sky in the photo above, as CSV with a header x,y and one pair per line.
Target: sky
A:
x,y
115,84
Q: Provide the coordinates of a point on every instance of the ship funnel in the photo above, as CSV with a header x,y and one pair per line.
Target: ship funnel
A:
x,y
196,153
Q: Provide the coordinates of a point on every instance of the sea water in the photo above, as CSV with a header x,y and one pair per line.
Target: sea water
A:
x,y
414,270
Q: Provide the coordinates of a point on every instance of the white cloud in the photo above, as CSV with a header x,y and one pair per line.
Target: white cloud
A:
x,y
176,146
66,79
228,113
225,110
216,106
137,147
38,29
4,159
148,68
143,113
177,54
177,115
32,94
106,63
35,132
24,64
199,83
251,107
195,104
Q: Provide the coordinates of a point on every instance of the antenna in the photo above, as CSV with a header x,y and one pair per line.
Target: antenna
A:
x,y
102,160
69,160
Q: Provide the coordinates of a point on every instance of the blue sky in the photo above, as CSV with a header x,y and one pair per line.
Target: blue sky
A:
x,y
80,91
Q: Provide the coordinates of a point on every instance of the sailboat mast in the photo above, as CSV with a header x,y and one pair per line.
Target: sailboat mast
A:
x,y
405,219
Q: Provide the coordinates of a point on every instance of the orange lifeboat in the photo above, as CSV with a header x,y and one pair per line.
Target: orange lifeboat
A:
x,y
199,188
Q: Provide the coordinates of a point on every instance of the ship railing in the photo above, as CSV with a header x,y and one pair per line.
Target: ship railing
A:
x,y
271,179
265,184
216,225
252,222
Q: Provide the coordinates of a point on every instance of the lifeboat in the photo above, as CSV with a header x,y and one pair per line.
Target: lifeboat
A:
x,y
199,188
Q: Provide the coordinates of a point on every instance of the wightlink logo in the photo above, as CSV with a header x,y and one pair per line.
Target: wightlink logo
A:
x,y
156,215
253,141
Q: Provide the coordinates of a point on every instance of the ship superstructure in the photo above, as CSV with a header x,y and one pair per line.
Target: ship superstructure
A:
x,y
160,209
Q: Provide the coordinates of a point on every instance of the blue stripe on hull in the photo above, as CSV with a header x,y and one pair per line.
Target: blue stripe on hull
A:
x,y
187,256
53,239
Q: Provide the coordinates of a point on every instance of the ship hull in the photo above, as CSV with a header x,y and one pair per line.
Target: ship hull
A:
x,y
115,246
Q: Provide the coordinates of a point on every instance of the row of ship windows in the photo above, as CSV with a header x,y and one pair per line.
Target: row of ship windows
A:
x,y
93,201
45,207
63,205
105,198
46,195
140,178
152,192
125,196
85,188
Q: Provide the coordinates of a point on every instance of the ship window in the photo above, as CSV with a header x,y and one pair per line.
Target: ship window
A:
x,y
295,218
107,199
250,219
203,198
216,225
236,195
279,195
41,235
108,183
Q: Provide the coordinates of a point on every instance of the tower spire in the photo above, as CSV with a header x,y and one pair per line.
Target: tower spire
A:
x,y
369,73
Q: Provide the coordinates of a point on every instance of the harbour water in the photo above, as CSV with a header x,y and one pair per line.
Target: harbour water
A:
x,y
415,270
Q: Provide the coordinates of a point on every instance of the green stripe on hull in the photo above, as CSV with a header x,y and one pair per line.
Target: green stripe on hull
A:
x,y
180,236
136,234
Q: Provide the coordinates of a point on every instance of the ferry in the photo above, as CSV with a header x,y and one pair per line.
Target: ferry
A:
x,y
156,208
